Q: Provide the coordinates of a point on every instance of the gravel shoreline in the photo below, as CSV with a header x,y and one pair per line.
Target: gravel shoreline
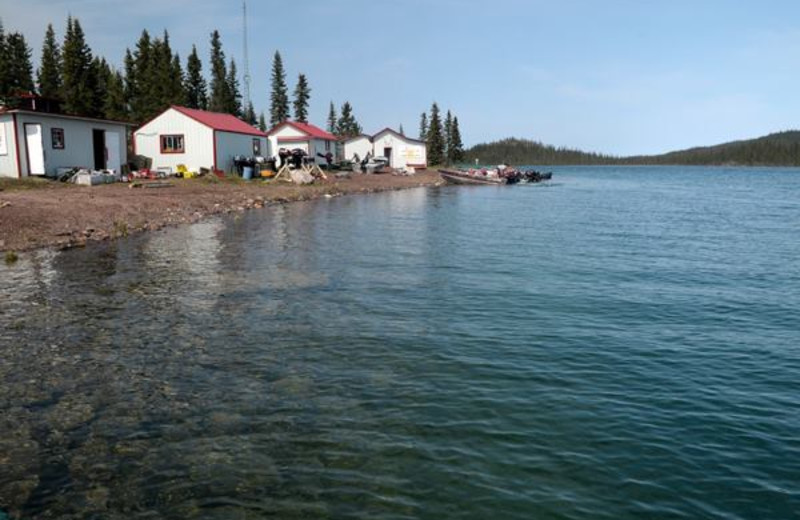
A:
x,y
67,216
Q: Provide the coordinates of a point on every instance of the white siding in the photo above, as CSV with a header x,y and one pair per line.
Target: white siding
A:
x,y
358,145
78,148
230,145
286,131
198,141
404,151
8,160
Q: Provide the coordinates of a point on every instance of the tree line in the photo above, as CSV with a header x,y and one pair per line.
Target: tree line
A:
x,y
778,149
443,140
154,77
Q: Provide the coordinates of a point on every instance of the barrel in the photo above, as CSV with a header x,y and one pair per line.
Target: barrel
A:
x,y
247,173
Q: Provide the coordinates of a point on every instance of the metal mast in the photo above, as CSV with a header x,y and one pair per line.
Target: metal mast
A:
x,y
246,57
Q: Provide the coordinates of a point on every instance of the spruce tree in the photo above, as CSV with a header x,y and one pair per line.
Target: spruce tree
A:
x,y
141,88
18,67
49,74
402,131
3,60
262,122
114,106
234,100
102,74
456,147
130,81
78,74
279,97
423,127
302,93
195,87
250,114
219,98
332,119
347,125
448,136
435,138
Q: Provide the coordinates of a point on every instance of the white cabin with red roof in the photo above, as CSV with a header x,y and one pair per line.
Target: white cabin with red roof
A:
x,y
198,138
309,138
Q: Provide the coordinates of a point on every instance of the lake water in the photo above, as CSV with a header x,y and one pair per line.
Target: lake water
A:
x,y
620,343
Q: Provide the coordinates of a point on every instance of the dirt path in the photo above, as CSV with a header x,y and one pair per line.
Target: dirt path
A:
x,y
66,216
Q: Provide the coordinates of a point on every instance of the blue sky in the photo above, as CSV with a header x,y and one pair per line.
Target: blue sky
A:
x,y
617,76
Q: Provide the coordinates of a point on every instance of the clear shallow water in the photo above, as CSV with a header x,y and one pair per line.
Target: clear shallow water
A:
x,y
620,343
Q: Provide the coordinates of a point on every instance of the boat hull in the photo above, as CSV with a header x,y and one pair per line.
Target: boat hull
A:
x,y
454,177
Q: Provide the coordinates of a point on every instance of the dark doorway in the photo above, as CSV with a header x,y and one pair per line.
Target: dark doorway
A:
x,y
387,152
99,143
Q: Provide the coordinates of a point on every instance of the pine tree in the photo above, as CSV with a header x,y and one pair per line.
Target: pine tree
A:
x,y
141,88
262,122
177,90
49,74
279,105
423,127
302,93
448,136
195,86
250,114
347,125
102,74
18,67
435,138
219,98
456,147
3,60
332,119
234,101
78,74
114,106
402,131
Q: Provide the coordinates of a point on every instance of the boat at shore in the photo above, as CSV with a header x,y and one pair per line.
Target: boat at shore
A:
x,y
496,176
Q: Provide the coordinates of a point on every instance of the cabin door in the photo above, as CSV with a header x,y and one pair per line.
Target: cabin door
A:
x,y
35,148
99,148
112,151
387,152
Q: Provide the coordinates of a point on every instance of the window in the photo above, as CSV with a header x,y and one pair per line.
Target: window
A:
x,y
172,144
257,147
327,146
57,138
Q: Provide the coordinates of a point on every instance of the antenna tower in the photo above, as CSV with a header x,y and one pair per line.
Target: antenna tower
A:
x,y
246,57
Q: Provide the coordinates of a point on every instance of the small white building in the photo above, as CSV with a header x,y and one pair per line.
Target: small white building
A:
x,y
309,138
359,145
402,151
197,138
41,143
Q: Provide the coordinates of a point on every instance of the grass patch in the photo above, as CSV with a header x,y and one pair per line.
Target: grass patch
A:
x,y
11,257
120,229
27,183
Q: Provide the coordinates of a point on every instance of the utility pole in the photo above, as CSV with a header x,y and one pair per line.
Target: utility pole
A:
x,y
246,58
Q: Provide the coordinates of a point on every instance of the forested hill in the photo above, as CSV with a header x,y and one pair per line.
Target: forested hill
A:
x,y
779,149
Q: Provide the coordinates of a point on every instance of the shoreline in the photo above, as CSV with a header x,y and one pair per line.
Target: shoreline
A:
x,y
68,216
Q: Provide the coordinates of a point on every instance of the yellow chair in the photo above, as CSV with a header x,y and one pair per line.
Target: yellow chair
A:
x,y
184,172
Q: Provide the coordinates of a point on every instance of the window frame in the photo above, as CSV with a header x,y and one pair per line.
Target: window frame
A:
x,y
56,144
257,147
162,143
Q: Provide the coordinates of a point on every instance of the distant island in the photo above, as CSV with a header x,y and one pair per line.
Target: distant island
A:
x,y
778,149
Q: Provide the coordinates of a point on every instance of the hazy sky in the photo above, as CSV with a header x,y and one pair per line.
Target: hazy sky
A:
x,y
614,76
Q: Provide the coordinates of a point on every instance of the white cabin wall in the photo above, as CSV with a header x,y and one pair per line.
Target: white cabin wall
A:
x,y
230,145
78,151
285,131
404,152
361,146
8,160
198,141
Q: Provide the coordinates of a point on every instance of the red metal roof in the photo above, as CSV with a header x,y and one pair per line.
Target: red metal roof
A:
x,y
308,129
219,121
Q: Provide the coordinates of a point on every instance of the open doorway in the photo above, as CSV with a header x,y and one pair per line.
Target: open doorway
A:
x,y
387,152
99,144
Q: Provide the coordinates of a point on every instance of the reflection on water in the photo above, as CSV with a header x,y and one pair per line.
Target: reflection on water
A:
x,y
387,357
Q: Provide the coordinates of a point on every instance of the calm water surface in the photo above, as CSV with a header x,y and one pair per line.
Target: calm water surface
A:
x,y
617,344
